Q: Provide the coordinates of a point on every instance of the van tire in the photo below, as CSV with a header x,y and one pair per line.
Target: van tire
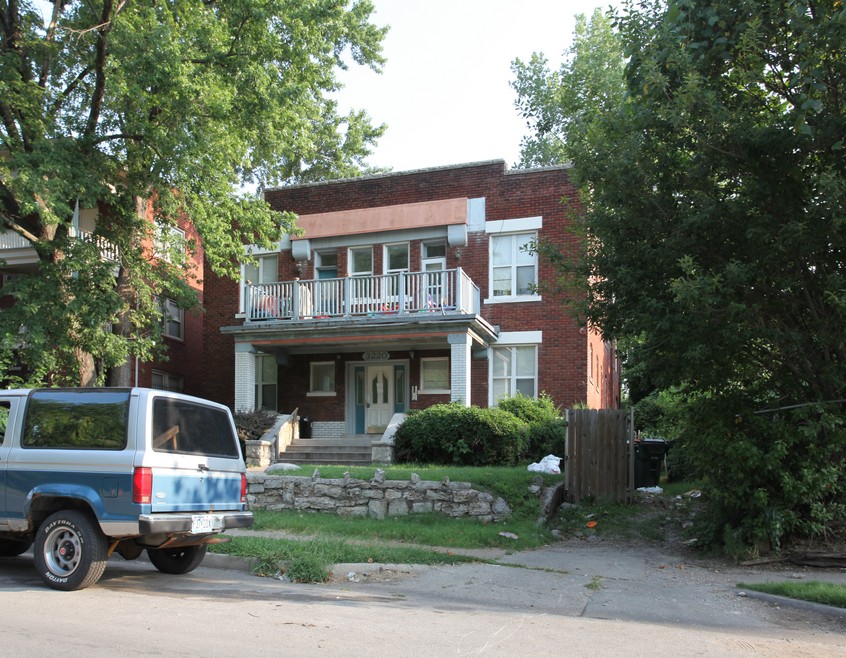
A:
x,y
70,551
177,561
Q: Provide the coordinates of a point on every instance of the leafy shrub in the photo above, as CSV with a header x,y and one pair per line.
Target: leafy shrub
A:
x,y
767,478
251,426
546,437
531,410
466,436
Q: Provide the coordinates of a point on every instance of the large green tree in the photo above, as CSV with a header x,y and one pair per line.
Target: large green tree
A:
x,y
715,205
150,110
560,106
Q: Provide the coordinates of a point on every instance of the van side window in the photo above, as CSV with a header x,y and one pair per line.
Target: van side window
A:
x,y
81,420
5,408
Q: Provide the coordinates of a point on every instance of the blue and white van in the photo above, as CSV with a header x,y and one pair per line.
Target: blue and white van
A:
x,y
88,472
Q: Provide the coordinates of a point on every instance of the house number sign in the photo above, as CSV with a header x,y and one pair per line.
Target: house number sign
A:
x,y
376,356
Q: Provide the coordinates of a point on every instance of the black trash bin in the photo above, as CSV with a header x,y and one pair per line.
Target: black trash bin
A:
x,y
649,453
305,427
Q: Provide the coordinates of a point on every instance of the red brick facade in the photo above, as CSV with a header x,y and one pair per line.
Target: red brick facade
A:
x,y
563,355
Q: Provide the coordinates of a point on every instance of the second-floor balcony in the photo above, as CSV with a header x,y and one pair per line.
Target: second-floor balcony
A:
x,y
12,244
400,294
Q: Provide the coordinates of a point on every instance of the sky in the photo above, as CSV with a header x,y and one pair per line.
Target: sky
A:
x,y
444,92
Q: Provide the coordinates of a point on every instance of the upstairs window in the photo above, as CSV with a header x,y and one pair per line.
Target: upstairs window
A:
x,y
361,261
263,269
396,258
514,269
169,243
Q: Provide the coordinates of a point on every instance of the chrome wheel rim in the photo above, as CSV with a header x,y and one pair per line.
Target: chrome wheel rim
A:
x,y
62,551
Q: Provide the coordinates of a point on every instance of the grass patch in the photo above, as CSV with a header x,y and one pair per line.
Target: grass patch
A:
x,y
423,529
310,561
608,520
812,590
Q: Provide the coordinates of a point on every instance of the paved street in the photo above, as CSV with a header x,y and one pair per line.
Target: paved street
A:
x,y
574,600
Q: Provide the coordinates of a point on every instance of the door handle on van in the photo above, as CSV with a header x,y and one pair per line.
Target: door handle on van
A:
x,y
202,467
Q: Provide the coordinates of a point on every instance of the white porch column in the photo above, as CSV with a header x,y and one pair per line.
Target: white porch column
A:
x,y
245,377
459,367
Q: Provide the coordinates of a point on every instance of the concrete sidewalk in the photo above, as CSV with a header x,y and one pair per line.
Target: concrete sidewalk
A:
x,y
601,580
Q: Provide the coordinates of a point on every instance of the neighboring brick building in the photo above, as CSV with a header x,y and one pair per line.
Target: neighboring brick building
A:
x,y
182,367
405,290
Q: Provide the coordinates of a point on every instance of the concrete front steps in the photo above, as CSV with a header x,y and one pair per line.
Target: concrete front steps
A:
x,y
349,451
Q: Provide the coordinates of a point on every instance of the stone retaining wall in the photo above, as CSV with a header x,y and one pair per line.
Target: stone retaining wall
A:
x,y
376,498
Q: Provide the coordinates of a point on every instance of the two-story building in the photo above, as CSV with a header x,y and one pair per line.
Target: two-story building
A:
x,y
180,368
404,290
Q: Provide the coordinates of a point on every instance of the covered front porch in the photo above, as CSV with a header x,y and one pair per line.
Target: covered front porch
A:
x,y
349,375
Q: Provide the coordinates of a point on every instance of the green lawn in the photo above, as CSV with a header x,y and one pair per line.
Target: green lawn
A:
x,y
812,590
313,542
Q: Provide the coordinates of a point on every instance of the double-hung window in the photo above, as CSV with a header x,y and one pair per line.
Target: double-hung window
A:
x,y
266,386
173,319
169,243
513,260
514,369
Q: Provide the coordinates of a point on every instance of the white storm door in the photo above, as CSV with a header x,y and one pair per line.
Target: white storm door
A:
x,y
380,397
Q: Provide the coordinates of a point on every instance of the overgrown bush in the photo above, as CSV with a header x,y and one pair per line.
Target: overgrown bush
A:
x,y
251,426
768,477
465,436
547,430
546,437
531,410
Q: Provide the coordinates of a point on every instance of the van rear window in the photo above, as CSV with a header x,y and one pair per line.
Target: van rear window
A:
x,y
187,428
82,420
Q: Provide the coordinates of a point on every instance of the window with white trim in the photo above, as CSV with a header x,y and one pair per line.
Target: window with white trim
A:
x,y
322,378
514,266
514,369
434,375
263,269
360,261
173,319
165,381
169,243
266,378
396,258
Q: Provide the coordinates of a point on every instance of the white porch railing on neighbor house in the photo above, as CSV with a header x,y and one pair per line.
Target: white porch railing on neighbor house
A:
x,y
108,251
401,293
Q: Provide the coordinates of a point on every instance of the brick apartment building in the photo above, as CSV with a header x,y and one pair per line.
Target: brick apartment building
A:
x,y
405,290
182,331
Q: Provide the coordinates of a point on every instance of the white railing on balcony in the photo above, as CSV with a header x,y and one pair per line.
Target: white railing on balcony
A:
x,y
401,293
108,251
12,240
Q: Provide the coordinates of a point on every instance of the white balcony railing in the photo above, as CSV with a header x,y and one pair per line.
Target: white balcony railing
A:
x,y
108,251
402,293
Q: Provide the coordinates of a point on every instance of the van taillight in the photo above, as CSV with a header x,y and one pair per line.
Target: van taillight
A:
x,y
243,488
142,485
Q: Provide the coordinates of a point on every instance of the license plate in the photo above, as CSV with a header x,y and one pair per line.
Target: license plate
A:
x,y
205,523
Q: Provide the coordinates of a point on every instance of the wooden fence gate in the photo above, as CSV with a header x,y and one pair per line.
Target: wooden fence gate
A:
x,y
600,464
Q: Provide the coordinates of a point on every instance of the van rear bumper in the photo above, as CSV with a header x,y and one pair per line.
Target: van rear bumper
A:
x,y
181,523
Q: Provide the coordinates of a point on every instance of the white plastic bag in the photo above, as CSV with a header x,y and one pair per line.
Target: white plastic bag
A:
x,y
549,464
